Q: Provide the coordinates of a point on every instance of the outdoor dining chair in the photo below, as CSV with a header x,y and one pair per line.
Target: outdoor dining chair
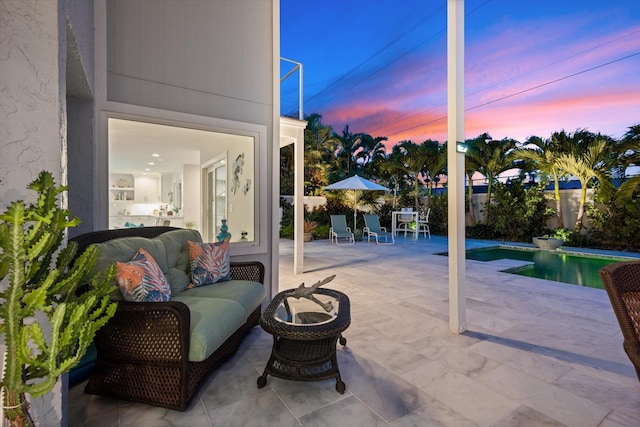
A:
x,y
373,228
422,225
404,221
622,283
339,230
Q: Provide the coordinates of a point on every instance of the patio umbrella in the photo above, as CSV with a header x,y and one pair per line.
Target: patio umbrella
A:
x,y
357,184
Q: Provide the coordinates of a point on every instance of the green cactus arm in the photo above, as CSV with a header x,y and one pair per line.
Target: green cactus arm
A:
x,y
30,335
66,256
38,298
11,309
81,268
34,233
39,247
4,243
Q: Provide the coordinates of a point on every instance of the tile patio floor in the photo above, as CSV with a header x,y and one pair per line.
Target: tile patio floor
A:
x,y
536,353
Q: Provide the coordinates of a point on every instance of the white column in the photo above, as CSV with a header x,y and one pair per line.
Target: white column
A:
x,y
298,198
455,186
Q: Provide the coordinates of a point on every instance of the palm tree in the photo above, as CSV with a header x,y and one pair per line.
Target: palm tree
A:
x,y
630,155
319,146
347,144
493,159
390,170
472,164
586,163
414,157
371,150
544,154
435,162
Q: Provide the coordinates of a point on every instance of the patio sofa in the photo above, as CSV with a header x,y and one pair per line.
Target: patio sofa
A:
x,y
159,352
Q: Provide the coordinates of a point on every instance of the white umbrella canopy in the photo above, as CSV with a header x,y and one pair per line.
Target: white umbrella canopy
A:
x,y
356,183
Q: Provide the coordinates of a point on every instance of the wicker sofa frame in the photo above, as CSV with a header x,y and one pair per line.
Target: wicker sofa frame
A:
x,y
622,282
143,350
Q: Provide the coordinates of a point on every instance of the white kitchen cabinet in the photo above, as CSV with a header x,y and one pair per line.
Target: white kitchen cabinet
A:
x,y
146,189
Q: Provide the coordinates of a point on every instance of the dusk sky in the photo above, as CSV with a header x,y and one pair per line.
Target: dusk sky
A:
x,y
532,67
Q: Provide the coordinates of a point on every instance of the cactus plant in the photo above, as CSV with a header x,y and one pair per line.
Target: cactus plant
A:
x,y
40,284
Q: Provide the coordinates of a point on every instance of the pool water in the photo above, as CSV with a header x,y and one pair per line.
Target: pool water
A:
x,y
577,269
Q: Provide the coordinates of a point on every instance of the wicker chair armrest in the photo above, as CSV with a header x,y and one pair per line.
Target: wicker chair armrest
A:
x,y
248,270
146,332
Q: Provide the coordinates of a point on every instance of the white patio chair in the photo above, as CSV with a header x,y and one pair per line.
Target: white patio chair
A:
x,y
422,225
339,230
373,228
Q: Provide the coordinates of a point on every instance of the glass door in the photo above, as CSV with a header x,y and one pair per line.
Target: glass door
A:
x,y
217,197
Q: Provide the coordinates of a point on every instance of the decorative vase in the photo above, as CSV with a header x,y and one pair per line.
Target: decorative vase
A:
x,y
224,231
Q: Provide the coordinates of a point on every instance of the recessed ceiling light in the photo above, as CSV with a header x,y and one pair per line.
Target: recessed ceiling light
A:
x,y
151,163
155,155
147,169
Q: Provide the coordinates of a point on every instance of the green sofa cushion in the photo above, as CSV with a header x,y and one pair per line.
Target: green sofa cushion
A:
x,y
175,243
249,294
170,250
213,321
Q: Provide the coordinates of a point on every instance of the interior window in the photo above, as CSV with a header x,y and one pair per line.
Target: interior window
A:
x,y
182,177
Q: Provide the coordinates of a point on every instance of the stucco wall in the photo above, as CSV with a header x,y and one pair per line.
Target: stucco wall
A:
x,y
211,58
32,118
31,109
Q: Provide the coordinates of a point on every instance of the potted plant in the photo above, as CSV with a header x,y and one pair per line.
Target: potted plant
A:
x,y
40,282
309,226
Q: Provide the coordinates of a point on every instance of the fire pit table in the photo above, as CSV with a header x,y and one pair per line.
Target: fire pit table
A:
x,y
305,333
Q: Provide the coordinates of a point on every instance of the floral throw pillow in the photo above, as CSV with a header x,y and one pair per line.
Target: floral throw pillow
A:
x,y
141,280
209,262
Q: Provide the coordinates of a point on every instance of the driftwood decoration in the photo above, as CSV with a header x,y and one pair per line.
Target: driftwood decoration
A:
x,y
304,292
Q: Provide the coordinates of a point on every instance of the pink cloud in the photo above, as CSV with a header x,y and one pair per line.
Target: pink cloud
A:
x,y
407,100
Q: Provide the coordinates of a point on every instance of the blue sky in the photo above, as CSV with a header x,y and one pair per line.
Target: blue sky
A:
x,y
532,67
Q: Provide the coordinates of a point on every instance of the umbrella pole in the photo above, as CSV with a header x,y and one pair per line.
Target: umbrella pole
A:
x,y
354,219
356,196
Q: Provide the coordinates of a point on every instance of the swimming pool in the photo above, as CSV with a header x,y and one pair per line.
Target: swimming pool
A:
x,y
558,265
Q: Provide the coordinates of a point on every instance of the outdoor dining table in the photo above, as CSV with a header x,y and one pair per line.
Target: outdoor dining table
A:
x,y
394,219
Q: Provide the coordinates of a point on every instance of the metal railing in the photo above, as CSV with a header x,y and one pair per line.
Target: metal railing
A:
x,y
297,67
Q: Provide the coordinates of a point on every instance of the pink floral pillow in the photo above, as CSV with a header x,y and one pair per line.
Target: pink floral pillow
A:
x,y
141,280
209,262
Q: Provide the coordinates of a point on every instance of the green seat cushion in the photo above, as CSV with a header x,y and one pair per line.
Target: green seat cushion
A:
x,y
213,321
248,293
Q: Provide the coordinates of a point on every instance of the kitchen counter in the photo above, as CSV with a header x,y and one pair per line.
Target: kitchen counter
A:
x,y
120,221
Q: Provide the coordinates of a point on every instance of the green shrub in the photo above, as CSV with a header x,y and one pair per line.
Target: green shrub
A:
x,y
518,213
615,222
286,231
321,231
438,218
480,231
